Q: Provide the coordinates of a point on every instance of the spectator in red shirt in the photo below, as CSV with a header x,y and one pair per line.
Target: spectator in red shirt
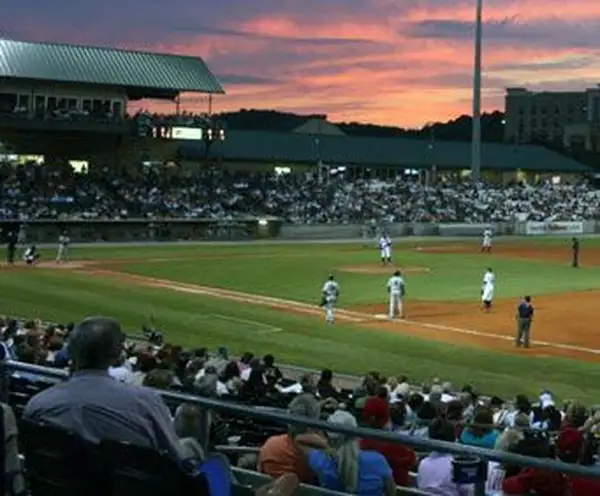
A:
x,y
571,448
534,480
376,415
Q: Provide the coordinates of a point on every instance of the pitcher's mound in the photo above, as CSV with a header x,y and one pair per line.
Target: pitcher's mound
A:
x,y
381,269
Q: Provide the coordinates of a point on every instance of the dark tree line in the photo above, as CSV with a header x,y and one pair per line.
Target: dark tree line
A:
x,y
492,128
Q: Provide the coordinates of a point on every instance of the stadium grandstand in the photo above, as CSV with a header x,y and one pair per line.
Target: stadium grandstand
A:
x,y
91,410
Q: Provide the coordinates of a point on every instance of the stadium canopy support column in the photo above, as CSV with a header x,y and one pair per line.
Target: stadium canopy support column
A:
x,y
476,137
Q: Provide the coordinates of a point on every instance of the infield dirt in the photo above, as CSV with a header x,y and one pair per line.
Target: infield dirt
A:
x,y
556,331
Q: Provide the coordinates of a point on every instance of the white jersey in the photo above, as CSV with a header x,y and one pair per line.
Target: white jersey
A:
x,y
30,254
487,238
64,240
331,291
489,278
396,286
385,243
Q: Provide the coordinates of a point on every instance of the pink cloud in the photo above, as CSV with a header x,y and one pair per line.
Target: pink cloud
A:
x,y
402,63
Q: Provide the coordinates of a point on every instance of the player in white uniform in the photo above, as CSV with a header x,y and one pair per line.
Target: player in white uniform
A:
x,y
31,255
486,242
330,293
385,249
63,247
487,290
396,290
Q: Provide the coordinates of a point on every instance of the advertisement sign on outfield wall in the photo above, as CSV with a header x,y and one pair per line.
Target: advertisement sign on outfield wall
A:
x,y
544,228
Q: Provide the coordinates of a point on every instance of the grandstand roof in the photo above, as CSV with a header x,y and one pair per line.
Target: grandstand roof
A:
x,y
143,74
299,148
319,126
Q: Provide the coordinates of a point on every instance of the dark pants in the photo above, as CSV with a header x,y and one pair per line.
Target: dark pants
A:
x,y
10,253
575,259
523,328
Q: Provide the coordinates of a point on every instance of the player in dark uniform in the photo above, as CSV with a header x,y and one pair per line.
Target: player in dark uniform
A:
x,y
575,248
11,246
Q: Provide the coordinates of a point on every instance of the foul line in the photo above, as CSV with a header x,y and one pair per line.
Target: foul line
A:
x,y
265,328
503,337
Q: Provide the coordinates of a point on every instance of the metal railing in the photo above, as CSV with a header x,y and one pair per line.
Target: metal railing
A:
x,y
479,455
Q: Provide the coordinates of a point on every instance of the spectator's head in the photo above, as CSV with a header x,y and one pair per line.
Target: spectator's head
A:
x,y
308,384
231,371
427,412
398,414
96,343
376,413
159,379
246,358
346,451
454,411
442,430
269,361
508,439
483,421
523,404
576,415
326,376
304,405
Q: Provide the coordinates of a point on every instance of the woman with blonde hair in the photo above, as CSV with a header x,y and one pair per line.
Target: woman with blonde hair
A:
x,y
340,464
496,473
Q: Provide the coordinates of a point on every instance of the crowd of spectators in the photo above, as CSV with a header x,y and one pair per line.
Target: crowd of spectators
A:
x,y
59,192
106,397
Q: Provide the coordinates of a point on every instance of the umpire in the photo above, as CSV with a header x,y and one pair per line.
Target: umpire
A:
x,y
524,318
575,248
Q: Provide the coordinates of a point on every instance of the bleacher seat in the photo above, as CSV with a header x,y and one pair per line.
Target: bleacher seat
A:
x,y
60,463
138,470
252,479
21,390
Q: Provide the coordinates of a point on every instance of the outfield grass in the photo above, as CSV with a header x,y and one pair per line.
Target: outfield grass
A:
x,y
297,272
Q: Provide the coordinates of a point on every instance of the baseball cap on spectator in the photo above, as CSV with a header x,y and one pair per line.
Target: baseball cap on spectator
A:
x,y
376,412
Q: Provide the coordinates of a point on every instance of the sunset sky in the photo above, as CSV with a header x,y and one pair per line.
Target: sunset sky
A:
x,y
402,62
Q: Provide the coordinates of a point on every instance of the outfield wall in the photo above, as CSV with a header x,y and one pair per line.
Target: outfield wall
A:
x,y
254,228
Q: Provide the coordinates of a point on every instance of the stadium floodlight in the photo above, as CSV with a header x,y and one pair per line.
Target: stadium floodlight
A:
x,y
476,136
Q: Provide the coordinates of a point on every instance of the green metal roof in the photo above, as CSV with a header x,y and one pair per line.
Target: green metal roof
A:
x,y
105,66
293,148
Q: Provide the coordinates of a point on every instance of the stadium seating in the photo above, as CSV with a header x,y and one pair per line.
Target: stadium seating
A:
x,y
57,462
56,191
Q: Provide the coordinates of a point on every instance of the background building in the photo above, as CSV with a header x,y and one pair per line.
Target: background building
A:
x,y
568,118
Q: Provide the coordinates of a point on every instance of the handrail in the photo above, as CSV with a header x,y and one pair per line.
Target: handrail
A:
x,y
394,437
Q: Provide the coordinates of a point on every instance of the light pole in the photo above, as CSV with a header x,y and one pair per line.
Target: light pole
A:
x,y
476,135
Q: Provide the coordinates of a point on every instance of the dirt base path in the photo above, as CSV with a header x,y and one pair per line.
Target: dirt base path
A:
x,y
453,323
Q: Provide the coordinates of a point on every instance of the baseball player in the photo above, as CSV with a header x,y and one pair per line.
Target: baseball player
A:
x,y
330,294
486,242
31,255
396,289
487,290
63,247
385,249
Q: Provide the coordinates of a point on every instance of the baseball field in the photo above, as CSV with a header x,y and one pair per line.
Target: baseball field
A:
x,y
264,298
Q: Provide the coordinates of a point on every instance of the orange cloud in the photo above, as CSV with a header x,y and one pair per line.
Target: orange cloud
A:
x,y
405,67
